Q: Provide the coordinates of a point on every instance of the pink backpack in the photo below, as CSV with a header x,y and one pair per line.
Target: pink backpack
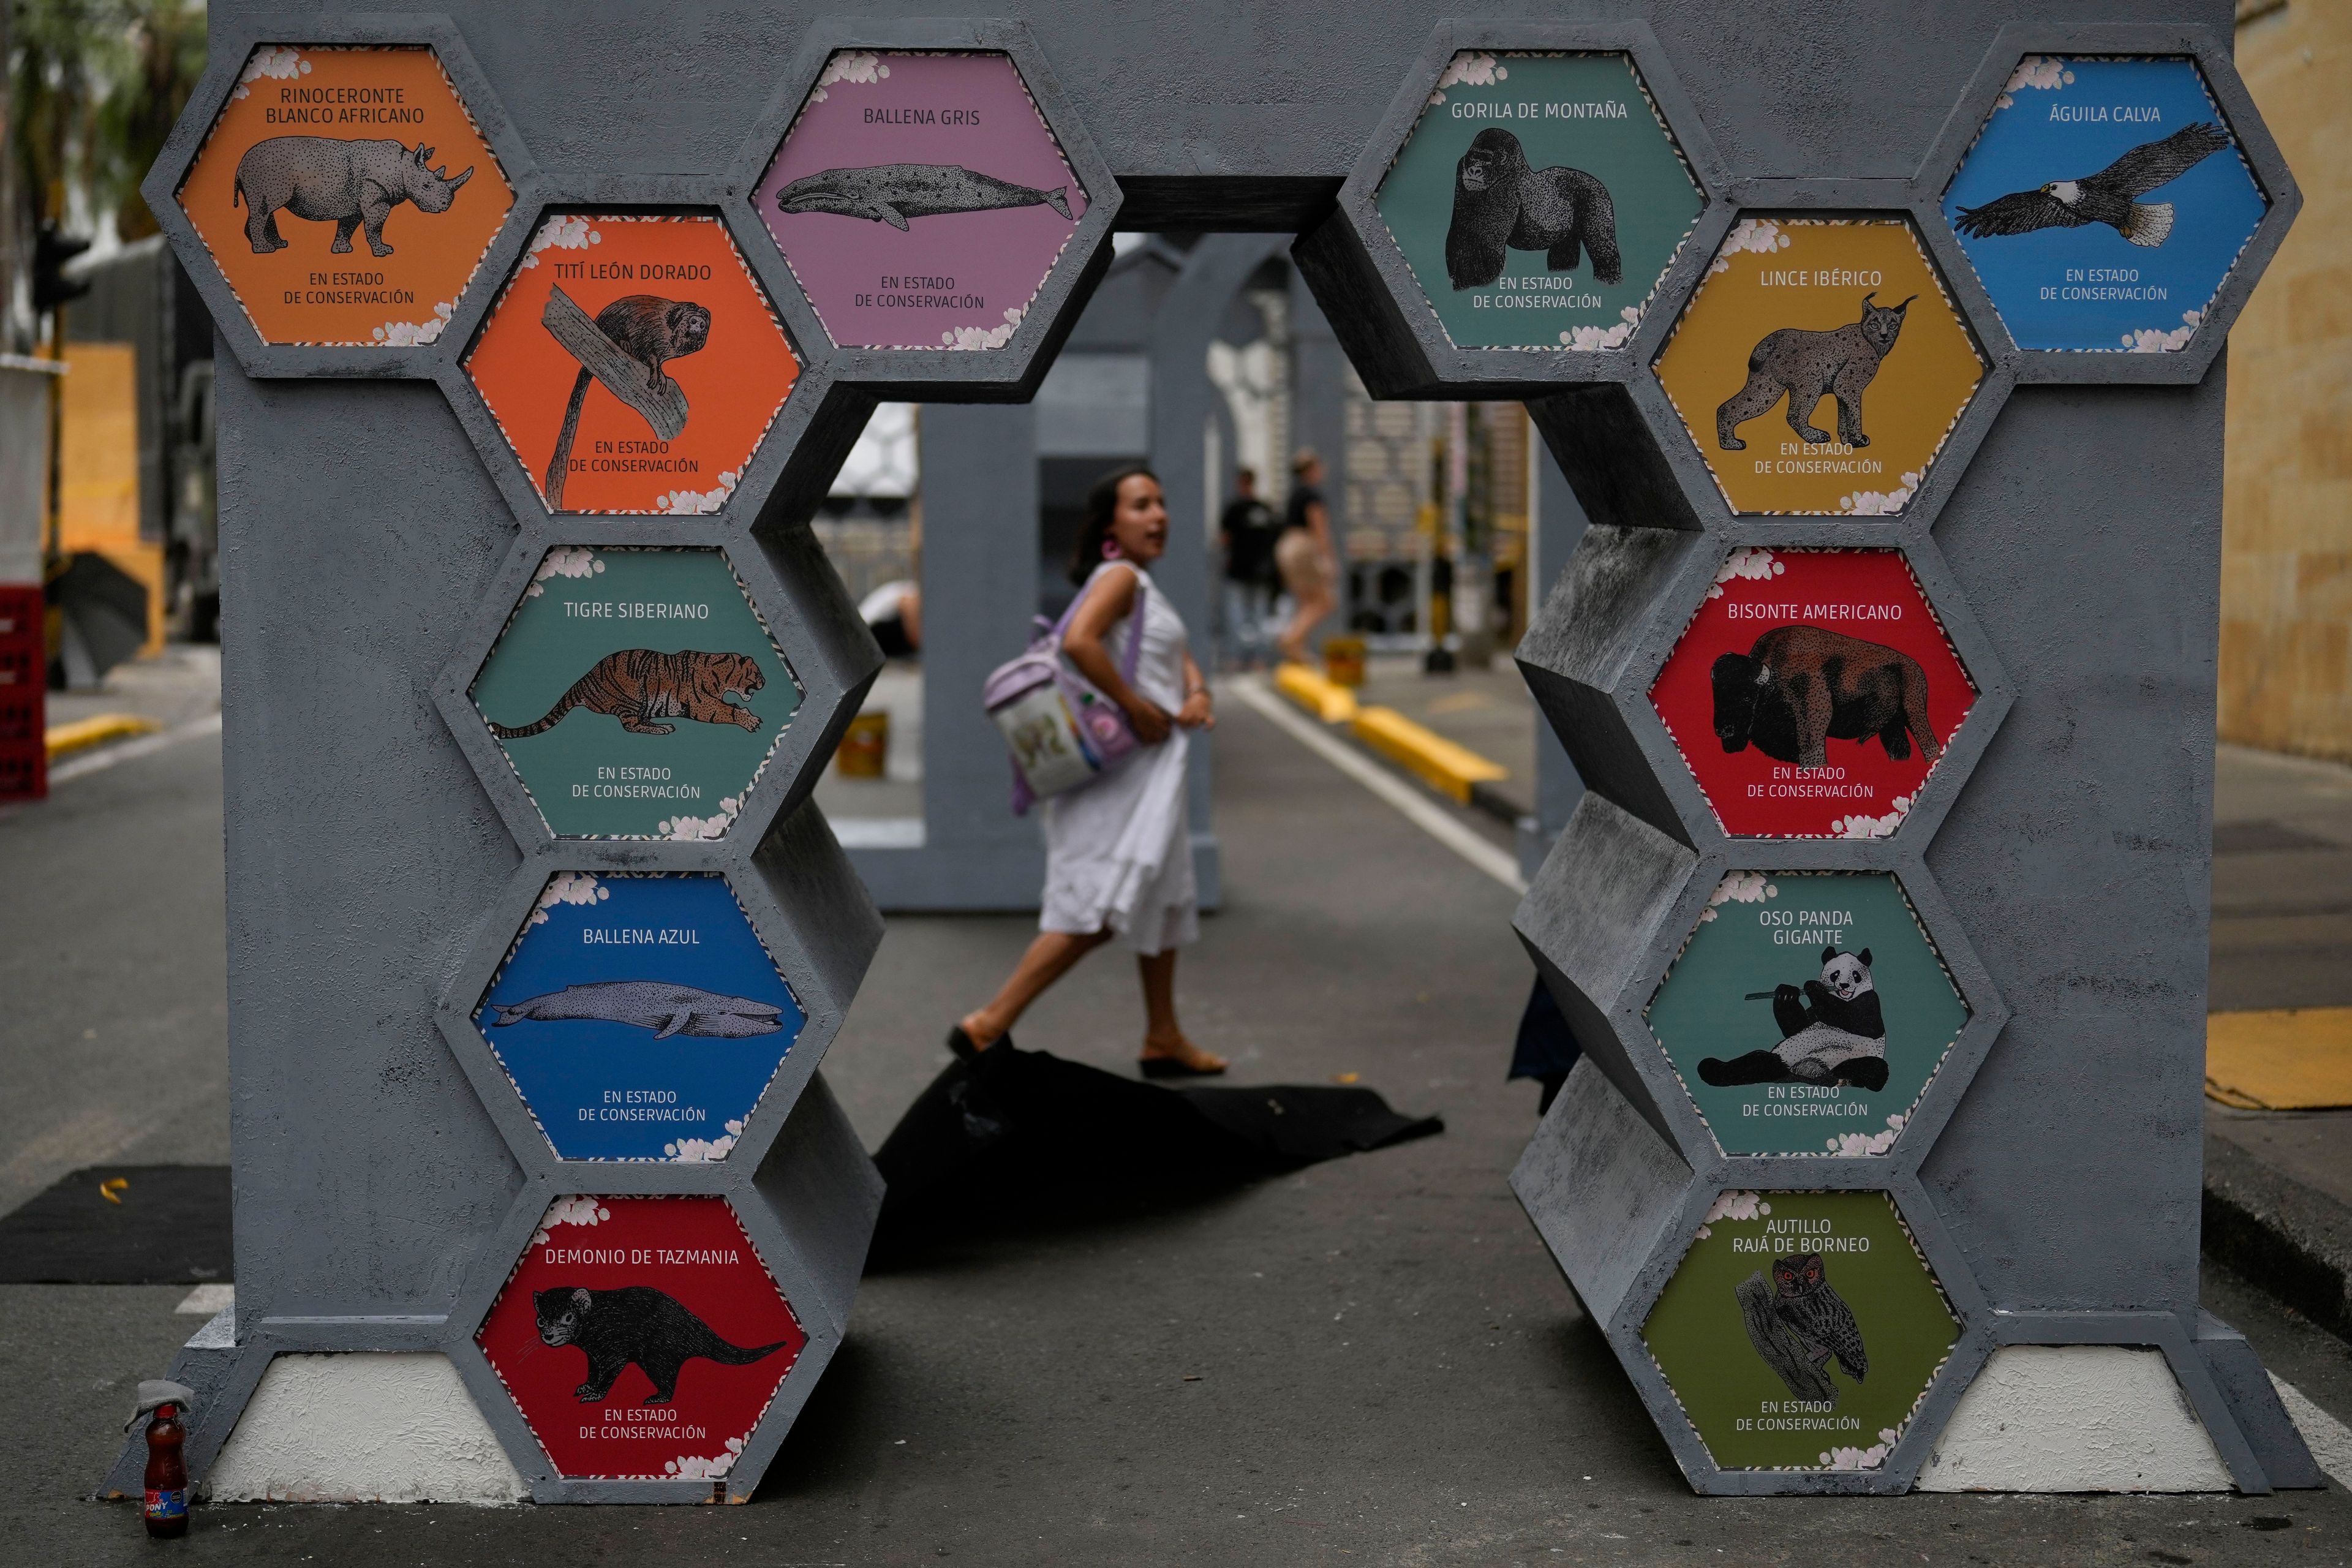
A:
x,y
1063,733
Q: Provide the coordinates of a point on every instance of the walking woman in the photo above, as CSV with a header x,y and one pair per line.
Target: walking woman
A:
x,y
1119,854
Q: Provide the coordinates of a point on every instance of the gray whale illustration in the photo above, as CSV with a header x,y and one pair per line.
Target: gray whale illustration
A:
x,y
654,1005
894,193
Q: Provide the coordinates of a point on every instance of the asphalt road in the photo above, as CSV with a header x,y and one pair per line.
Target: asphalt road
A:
x,y
1372,1361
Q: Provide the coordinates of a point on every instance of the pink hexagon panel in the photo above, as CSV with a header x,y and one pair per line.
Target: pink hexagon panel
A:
x,y
642,1338
921,199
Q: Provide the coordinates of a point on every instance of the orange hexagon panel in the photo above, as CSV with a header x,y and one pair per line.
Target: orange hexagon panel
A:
x,y
633,363
642,1338
1821,365
346,194
1812,694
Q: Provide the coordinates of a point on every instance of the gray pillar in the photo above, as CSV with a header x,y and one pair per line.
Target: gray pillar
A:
x,y
1557,524
980,594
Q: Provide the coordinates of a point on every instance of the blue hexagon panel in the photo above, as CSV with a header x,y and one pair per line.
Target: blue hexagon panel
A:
x,y
639,1017
2104,203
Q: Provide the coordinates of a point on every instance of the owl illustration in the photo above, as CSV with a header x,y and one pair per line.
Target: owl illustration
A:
x,y
1798,1321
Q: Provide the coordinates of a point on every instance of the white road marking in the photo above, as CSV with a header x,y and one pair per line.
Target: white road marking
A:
x,y
130,750
1418,809
2330,1440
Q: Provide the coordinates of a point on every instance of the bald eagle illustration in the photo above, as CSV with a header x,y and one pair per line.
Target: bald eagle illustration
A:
x,y
2107,196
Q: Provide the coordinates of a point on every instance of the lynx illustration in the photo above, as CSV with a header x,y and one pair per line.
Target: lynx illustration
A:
x,y
1806,366
641,688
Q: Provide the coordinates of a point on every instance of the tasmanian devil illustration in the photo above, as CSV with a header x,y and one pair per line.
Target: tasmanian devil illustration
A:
x,y
895,193
635,1323
665,1008
651,330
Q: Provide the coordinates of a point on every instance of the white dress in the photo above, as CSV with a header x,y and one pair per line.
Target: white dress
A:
x,y
1119,851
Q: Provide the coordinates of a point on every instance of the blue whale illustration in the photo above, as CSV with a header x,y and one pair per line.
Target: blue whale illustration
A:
x,y
894,193
656,1004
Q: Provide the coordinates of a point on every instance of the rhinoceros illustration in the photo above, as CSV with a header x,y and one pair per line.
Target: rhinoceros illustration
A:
x,y
352,181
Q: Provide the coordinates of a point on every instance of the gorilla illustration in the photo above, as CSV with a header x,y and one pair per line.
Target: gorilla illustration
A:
x,y
1499,201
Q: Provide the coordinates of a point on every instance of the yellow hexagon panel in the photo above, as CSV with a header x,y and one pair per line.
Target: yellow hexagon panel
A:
x,y
1821,366
326,193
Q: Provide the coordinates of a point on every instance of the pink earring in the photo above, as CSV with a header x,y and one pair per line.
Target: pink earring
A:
x,y
1110,548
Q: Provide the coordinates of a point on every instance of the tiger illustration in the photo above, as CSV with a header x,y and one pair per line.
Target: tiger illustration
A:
x,y
640,688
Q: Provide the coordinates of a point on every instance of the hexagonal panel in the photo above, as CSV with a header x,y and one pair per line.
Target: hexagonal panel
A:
x,y
639,1017
1812,694
346,194
1802,1330
1806,1012
1821,365
1539,199
642,1338
633,363
2104,202
921,199
636,692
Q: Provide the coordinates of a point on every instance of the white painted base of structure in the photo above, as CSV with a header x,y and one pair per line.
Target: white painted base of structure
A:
x,y
364,1426
2075,1418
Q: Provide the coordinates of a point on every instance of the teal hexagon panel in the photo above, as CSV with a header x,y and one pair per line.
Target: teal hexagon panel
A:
x,y
636,692
1538,200
1807,1011
2103,203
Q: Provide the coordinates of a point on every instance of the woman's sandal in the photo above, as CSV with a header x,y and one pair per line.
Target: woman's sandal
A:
x,y
1194,1063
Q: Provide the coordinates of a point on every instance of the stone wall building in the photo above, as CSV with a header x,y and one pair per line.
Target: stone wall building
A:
x,y
2286,544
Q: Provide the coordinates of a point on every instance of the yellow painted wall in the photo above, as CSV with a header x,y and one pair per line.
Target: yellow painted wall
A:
x,y
98,470
2286,530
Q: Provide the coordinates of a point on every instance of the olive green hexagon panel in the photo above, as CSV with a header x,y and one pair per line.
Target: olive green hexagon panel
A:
x,y
1821,365
1539,199
636,692
1800,1330
1807,1013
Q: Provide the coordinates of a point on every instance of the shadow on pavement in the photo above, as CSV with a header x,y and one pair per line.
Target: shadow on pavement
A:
x,y
1021,1141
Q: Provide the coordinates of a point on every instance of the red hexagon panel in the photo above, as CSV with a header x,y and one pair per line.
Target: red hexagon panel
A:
x,y
921,199
1812,694
642,1338
633,363
346,194
1821,365
2103,203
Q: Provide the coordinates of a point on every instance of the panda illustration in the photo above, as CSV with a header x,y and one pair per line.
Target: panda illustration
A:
x,y
1832,1031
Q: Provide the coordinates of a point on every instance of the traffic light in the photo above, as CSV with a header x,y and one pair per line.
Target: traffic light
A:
x,y
51,251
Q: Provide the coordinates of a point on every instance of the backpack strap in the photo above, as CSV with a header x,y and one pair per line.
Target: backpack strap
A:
x,y
1128,661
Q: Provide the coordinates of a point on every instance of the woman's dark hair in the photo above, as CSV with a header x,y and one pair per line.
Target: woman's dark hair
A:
x,y
1102,504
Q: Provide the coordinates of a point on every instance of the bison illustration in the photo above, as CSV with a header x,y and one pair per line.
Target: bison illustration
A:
x,y
325,178
1802,686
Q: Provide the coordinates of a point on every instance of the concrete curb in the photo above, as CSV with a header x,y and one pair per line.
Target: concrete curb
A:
x,y
2294,1242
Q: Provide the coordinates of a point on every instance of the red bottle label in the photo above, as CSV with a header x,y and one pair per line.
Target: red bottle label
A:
x,y
167,1503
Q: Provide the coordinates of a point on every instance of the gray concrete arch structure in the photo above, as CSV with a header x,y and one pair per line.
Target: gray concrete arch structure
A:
x,y
369,541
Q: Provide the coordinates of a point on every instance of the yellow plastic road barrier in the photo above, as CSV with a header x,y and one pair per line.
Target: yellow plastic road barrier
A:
x,y
1443,763
1307,687
2293,1058
62,740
